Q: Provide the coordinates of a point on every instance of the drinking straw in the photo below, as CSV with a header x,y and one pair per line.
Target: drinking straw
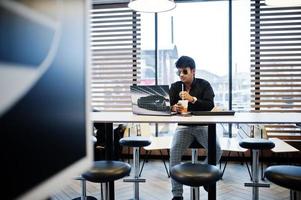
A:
x,y
182,90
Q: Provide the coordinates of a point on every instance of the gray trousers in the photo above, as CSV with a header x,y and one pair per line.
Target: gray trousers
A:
x,y
183,137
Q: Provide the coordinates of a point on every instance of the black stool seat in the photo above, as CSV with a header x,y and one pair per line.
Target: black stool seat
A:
x,y
106,171
256,143
195,145
195,175
135,141
285,175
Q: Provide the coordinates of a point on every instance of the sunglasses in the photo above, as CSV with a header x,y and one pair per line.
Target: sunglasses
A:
x,y
184,71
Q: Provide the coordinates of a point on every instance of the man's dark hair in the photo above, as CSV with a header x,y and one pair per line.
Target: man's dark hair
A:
x,y
185,61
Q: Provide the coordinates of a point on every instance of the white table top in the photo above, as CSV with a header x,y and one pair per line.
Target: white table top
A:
x,y
282,146
247,118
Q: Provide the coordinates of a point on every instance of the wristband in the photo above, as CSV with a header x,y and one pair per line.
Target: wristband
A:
x,y
194,100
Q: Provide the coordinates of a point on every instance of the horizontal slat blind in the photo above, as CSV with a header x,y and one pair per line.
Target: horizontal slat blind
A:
x,y
285,132
275,58
276,64
115,44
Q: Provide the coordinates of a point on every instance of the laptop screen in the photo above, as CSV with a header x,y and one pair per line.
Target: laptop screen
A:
x,y
150,100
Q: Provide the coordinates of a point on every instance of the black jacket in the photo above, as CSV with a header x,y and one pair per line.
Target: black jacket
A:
x,y
200,88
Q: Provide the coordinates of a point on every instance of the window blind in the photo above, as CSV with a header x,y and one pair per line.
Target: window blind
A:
x,y
276,64
275,58
115,46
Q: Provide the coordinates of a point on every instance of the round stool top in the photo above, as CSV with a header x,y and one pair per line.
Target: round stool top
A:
x,y
287,176
195,145
107,170
135,141
195,174
256,143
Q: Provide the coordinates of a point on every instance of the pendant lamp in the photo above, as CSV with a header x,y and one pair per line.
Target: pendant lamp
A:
x,y
152,6
283,3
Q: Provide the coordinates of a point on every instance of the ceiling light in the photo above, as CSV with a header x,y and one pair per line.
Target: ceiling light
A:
x,y
152,6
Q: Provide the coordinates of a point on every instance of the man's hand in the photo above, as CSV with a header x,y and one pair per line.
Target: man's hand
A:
x,y
177,108
186,96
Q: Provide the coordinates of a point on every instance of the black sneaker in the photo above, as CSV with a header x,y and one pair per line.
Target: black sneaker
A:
x,y
177,198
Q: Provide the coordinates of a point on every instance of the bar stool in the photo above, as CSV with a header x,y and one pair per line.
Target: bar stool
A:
x,y
106,171
195,175
256,144
83,182
287,176
136,142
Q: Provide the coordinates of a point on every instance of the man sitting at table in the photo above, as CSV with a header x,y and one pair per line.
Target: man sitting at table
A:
x,y
199,94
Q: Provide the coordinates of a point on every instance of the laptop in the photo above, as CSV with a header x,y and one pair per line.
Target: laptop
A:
x,y
150,100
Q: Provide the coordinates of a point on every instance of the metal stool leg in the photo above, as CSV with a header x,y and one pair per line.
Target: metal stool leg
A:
x,y
84,189
194,191
295,195
84,193
255,179
255,145
105,193
136,171
255,173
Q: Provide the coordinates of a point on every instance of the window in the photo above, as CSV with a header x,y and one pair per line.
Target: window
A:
x,y
196,29
241,91
148,72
